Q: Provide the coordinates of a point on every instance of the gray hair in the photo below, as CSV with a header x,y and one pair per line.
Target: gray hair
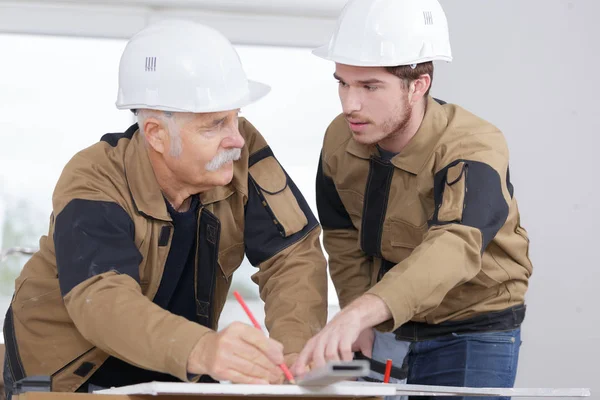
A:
x,y
173,122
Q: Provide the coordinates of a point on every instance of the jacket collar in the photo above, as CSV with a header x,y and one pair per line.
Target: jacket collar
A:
x,y
143,186
420,147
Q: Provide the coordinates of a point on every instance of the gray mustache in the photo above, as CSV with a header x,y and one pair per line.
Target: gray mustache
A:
x,y
222,158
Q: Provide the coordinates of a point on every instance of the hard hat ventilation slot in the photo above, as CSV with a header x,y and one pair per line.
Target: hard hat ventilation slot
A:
x,y
150,64
428,17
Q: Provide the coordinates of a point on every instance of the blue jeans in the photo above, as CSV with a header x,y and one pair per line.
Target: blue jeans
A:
x,y
487,359
386,346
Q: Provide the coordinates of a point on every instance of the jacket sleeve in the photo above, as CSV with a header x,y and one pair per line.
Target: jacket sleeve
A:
x,y
472,197
350,268
282,239
98,271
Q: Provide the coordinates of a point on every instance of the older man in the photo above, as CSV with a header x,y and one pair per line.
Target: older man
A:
x,y
149,225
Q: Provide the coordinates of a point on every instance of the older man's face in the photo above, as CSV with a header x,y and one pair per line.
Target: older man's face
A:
x,y
210,143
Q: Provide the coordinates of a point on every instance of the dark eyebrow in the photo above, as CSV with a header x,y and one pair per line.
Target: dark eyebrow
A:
x,y
370,82
365,82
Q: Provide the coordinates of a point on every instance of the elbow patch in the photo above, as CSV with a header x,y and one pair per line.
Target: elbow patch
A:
x,y
470,193
91,238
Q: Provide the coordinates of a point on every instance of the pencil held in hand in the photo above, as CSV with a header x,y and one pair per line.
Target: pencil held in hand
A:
x,y
240,300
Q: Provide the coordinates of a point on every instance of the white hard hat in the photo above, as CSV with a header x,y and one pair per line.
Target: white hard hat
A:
x,y
178,65
389,33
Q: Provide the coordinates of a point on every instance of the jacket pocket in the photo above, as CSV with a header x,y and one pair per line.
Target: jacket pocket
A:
x,y
34,292
400,239
453,200
40,299
406,235
352,201
277,197
231,258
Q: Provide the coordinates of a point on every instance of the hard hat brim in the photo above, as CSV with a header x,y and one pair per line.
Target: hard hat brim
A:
x,y
323,52
256,91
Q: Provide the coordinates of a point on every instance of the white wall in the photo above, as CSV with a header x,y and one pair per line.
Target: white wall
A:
x,y
531,68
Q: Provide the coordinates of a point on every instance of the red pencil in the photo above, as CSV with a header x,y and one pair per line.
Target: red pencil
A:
x,y
283,367
388,370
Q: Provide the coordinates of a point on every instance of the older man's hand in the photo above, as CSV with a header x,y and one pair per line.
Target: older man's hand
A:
x,y
240,353
290,359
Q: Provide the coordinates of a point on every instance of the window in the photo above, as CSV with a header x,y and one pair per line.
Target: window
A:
x,y
57,97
